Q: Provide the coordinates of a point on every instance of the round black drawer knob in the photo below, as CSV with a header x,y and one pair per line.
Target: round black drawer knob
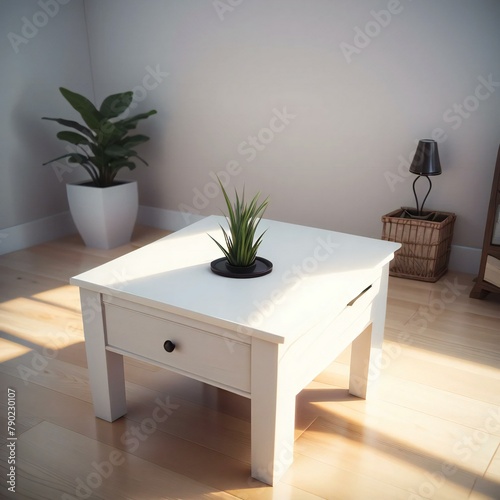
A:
x,y
169,346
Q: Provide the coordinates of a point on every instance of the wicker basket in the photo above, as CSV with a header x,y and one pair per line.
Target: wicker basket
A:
x,y
425,244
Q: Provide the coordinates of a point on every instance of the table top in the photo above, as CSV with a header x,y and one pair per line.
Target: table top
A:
x,y
316,272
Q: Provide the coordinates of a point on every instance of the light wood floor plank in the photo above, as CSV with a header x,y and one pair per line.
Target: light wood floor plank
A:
x,y
333,483
94,469
433,431
422,437
384,460
447,373
486,486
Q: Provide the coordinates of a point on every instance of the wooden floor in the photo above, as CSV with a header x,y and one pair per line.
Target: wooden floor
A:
x,y
432,432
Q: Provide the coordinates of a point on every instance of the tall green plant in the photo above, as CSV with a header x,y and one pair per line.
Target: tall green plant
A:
x,y
243,219
103,144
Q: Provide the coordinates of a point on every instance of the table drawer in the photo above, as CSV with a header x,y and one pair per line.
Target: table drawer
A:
x,y
201,355
328,338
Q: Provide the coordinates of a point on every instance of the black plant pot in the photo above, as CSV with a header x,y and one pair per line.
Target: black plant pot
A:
x,y
241,269
260,267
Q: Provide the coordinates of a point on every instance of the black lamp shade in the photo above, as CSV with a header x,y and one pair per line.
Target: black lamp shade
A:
x,y
426,160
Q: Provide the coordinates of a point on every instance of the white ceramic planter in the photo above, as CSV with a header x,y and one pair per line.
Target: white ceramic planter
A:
x,y
104,217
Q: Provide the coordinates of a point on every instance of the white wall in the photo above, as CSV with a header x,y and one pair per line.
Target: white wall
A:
x,y
217,79
43,45
335,164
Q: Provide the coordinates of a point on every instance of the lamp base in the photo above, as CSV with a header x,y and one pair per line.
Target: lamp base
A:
x,y
411,213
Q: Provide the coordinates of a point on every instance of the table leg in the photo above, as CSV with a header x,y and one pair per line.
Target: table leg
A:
x,y
366,349
272,415
106,377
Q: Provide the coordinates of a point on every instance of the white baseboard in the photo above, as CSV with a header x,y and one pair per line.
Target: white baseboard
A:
x,y
462,259
36,232
60,225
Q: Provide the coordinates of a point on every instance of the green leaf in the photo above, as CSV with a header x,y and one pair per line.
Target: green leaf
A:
x,y
117,151
224,251
73,138
72,124
110,132
116,104
117,164
99,160
73,158
142,160
134,140
131,123
87,110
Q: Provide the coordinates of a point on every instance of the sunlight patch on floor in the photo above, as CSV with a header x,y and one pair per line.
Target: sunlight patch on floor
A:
x,y
10,350
62,296
37,324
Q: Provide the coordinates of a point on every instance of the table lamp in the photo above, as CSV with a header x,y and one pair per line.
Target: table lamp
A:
x,y
425,163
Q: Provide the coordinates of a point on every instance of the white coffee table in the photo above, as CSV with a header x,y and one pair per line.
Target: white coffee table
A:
x,y
264,338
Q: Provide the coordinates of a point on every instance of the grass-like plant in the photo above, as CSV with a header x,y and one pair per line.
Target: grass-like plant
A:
x,y
243,219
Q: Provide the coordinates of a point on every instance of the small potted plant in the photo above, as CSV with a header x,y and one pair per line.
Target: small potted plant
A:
x,y
240,253
104,209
